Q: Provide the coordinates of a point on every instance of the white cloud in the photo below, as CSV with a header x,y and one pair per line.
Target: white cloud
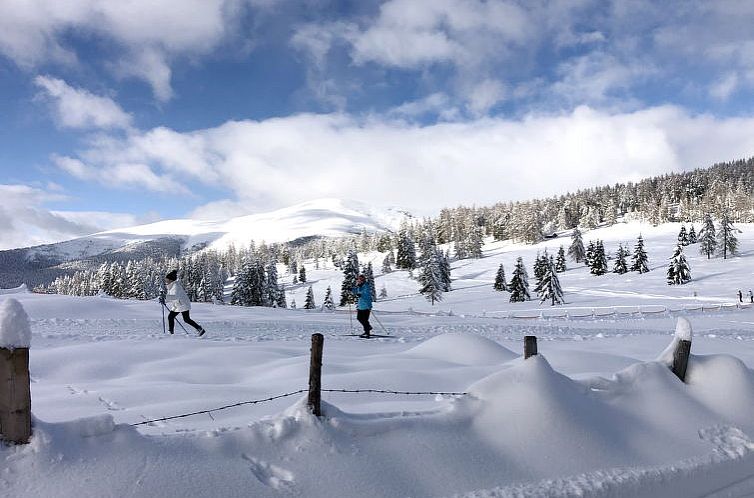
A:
x,y
120,173
282,161
150,33
24,220
78,108
485,95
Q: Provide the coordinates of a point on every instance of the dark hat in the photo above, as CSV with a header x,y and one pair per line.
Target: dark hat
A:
x,y
172,275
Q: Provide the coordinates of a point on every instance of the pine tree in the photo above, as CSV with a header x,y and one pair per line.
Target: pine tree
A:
x,y
431,280
387,263
302,274
369,274
445,270
560,261
683,237
328,303
519,284
678,271
727,243
692,235
540,268
707,237
599,259
309,303
475,242
639,261
549,288
576,250
293,303
406,259
620,267
589,255
383,292
350,272
499,284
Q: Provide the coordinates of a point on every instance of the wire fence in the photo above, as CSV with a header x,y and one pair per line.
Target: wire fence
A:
x,y
293,393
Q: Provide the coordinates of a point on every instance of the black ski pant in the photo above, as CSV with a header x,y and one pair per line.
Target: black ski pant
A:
x,y
363,317
186,318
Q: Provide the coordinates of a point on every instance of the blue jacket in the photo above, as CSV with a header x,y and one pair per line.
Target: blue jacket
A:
x,y
364,293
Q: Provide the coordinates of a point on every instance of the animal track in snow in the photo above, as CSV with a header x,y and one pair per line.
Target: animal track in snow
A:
x,y
268,474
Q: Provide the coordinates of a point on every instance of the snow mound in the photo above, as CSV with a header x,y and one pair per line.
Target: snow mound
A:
x,y
723,384
465,349
683,329
21,289
15,331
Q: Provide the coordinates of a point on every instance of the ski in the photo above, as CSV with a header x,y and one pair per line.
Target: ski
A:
x,y
371,336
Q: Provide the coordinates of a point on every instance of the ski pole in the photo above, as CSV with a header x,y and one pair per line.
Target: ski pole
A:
x,y
378,321
350,316
179,323
163,318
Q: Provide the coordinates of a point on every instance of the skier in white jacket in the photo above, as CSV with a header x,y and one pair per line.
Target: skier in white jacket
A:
x,y
177,301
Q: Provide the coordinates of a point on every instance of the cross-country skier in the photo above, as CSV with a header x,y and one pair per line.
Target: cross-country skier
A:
x,y
751,296
177,301
364,305
740,296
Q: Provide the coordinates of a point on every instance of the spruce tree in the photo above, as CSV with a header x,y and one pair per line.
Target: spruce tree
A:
x,y
328,303
499,284
678,271
692,235
383,292
560,261
576,250
350,272
309,303
445,270
369,274
639,261
620,267
707,237
387,263
589,255
599,259
727,243
430,278
302,274
406,258
683,237
549,288
519,284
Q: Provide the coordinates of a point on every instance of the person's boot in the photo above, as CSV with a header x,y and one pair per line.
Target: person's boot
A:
x,y
201,331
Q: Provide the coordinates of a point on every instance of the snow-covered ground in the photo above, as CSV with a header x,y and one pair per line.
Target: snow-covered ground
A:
x,y
594,414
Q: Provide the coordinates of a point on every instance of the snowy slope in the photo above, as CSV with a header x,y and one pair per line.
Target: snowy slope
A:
x,y
323,217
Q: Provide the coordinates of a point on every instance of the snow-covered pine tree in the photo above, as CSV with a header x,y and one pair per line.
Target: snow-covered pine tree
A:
x,y
240,295
589,255
475,241
328,303
272,288
727,243
678,271
707,237
640,261
350,272
519,284
500,284
302,274
549,288
387,264
576,250
369,274
599,259
692,235
560,261
293,303
383,291
309,303
406,258
430,278
445,267
620,265
281,302
540,268
683,236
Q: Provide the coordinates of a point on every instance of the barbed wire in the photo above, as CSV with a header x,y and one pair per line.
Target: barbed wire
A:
x,y
293,393
209,412
390,391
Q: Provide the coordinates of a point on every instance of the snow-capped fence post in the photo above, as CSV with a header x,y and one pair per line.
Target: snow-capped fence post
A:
x,y
315,374
682,349
15,389
530,346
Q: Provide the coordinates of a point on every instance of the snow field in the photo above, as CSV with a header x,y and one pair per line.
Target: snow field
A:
x,y
597,413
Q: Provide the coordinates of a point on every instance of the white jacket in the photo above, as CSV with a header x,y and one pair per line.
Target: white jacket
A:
x,y
176,298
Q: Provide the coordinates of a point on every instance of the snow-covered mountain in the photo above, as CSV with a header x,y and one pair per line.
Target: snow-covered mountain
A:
x,y
322,217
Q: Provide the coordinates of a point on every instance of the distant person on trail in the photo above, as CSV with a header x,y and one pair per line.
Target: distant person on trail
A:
x,y
740,296
751,296
176,301
364,305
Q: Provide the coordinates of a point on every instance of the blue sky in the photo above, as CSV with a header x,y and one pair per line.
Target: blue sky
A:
x,y
115,113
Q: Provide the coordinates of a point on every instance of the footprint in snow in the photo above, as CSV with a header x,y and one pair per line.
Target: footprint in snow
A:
x,y
268,474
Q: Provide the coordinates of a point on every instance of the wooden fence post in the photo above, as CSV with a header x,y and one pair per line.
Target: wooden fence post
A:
x,y
530,346
315,374
15,395
681,358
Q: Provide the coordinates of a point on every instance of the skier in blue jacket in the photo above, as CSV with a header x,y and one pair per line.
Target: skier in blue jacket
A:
x,y
364,306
